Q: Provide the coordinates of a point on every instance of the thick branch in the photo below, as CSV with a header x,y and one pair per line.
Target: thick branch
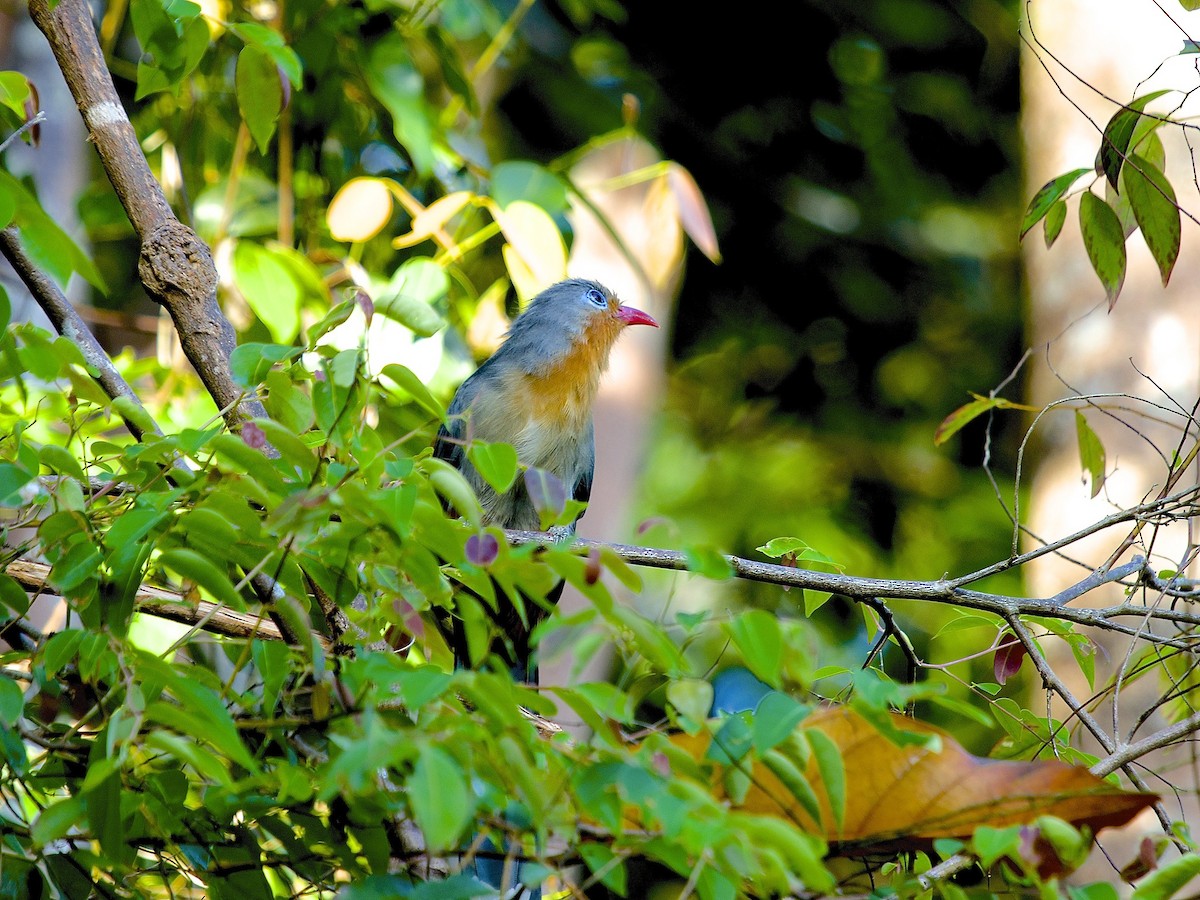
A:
x,y
176,267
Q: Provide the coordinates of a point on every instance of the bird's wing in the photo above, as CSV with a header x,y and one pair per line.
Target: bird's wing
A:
x,y
582,489
451,437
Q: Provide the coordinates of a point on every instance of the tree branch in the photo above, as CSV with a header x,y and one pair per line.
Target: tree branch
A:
x,y
175,266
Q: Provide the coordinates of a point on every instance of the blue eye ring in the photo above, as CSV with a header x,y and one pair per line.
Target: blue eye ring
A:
x,y
596,298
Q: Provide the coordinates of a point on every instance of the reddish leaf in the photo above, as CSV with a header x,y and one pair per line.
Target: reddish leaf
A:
x,y
1009,657
591,574
693,211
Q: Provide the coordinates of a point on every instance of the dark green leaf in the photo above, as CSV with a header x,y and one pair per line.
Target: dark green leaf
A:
x,y
412,296
411,384
1050,192
12,480
13,595
775,718
45,242
12,702
57,820
1114,143
1104,240
1156,212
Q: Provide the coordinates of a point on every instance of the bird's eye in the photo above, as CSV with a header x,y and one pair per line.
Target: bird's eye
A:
x,y
595,297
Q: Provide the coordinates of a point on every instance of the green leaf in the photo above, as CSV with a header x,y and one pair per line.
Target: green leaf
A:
x,y
269,287
1091,452
1114,143
76,566
692,699
398,84
1154,208
413,294
708,561
523,180
412,385
194,567
14,94
1104,240
833,771
441,801
12,702
794,779
330,321
1045,198
775,718
606,865
1052,227
57,820
757,635
497,463
60,649
259,93
12,480
451,485
992,843
250,363
273,43
13,595
173,40
1167,880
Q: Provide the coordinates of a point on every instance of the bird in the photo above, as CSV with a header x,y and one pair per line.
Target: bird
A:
x,y
536,392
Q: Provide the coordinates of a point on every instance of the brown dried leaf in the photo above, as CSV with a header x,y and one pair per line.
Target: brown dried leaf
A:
x,y
908,795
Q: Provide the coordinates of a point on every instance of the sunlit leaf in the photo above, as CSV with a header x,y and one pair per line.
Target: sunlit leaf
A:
x,y
1091,452
521,180
757,635
497,463
536,241
359,210
270,289
693,211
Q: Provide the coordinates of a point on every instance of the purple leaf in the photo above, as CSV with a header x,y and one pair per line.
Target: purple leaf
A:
x,y
254,436
365,303
547,493
482,549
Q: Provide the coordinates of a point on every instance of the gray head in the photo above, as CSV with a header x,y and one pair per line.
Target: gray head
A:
x,y
572,315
